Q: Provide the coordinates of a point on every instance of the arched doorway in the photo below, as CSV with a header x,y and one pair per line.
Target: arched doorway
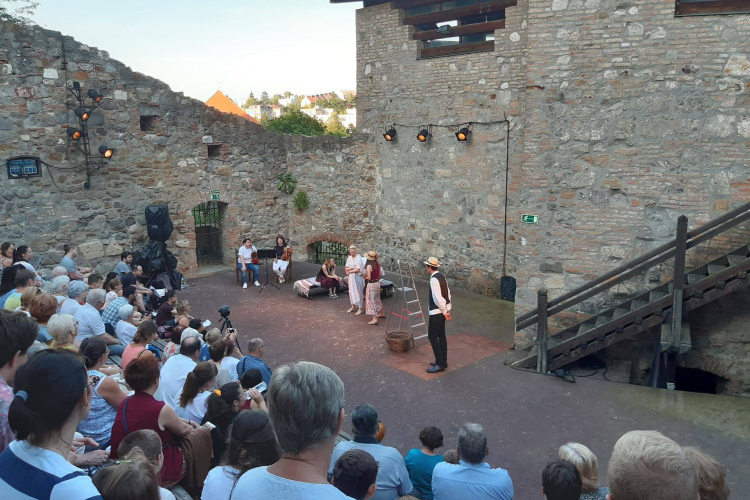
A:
x,y
208,233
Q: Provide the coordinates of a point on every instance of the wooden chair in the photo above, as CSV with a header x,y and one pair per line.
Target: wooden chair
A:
x,y
251,274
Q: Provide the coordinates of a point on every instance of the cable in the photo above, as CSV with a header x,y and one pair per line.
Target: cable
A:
x,y
505,212
453,125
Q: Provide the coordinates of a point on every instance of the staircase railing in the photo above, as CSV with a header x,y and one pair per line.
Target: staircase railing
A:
x,y
676,248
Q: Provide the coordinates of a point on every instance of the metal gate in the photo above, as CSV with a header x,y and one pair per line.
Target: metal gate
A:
x,y
324,250
207,233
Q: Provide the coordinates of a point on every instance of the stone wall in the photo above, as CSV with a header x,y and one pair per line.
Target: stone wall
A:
x,y
168,163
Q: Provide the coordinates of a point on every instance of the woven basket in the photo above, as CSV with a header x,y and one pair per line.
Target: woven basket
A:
x,y
399,341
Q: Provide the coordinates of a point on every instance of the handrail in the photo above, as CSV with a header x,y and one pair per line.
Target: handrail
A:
x,y
643,262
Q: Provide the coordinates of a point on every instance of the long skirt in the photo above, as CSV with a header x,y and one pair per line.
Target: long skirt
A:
x,y
326,282
356,289
374,305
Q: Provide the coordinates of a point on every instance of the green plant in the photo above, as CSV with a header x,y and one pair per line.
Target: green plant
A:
x,y
301,201
287,183
296,122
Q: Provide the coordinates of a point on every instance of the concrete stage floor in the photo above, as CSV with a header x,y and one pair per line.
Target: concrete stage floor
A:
x,y
526,416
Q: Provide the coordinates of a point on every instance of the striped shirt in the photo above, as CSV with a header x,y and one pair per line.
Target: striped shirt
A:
x,y
28,472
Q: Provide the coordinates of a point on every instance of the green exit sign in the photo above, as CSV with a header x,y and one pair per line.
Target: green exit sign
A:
x,y
530,219
215,195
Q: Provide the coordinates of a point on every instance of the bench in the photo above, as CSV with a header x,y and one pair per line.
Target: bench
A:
x,y
306,287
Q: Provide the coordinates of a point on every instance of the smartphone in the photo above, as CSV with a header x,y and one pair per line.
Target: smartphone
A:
x,y
261,388
209,426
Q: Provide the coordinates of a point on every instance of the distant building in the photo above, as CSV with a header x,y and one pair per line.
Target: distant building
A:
x,y
288,101
269,112
225,104
323,114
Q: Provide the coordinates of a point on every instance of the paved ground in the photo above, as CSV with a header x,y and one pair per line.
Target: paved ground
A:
x,y
526,416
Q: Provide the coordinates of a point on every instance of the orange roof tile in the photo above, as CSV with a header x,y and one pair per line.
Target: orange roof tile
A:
x,y
223,103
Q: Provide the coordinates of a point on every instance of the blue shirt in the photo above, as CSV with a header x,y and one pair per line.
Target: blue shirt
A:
x,y
420,467
252,362
3,298
122,268
204,355
111,314
471,482
69,264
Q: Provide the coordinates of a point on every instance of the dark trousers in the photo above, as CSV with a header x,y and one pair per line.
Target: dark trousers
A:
x,y
436,334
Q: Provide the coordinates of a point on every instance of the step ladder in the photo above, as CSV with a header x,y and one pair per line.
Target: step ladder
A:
x,y
410,308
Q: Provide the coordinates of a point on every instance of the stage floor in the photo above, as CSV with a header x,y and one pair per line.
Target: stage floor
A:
x,y
526,416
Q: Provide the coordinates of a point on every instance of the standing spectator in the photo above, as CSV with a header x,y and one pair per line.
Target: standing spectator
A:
x,y
77,292
63,330
114,290
393,478
472,479
22,256
24,279
111,315
90,322
245,261
354,474
44,420
141,344
17,334
173,346
645,465
561,481
164,313
255,350
176,369
251,444
149,443
129,479
69,263
588,467
42,307
122,267
192,399
106,397
95,281
420,463
306,407
125,329
712,482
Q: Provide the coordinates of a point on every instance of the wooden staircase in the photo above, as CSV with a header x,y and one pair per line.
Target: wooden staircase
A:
x,y
646,310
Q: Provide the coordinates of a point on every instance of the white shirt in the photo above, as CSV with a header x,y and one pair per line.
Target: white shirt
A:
x,y
125,332
259,483
358,261
165,494
70,306
196,409
437,297
219,483
173,375
245,253
90,322
230,364
30,268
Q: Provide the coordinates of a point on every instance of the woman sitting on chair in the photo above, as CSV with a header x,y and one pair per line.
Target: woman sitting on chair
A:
x,y
283,256
328,279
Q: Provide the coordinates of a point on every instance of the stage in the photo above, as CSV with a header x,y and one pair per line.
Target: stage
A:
x,y
526,416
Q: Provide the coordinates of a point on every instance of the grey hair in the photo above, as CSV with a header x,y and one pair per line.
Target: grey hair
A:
x,y
125,311
61,328
365,420
254,345
472,443
59,283
304,403
59,271
95,296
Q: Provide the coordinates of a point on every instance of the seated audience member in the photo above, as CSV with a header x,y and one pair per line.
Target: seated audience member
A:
x,y
182,314
148,442
52,396
8,283
26,297
645,465
114,290
561,481
69,263
42,307
472,478
110,276
712,483
77,292
354,474
111,315
210,337
251,444
222,407
125,329
164,313
230,363
588,467
197,324
106,397
198,386
191,332
141,344
451,457
420,463
176,369
59,288
142,411
255,350
24,279
22,256
133,278
63,330
173,346
216,352
393,478
17,334
90,322
306,408
123,267
131,478
6,255
58,271
95,281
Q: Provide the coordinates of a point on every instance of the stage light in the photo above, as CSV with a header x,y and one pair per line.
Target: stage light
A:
x,y
423,135
106,152
74,133
463,134
390,134
81,113
94,95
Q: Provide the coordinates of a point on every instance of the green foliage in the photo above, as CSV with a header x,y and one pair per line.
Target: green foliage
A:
x,y
335,127
17,11
275,99
338,105
264,99
287,183
296,122
251,101
287,94
301,201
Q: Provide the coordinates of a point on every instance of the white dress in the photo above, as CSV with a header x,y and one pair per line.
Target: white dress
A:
x,y
356,280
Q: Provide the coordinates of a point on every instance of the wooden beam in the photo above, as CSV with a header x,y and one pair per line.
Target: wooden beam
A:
x,y
409,4
707,8
460,48
450,15
468,29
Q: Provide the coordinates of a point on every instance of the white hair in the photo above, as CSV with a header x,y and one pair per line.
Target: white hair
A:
x,y
59,283
125,311
59,271
191,332
61,328
95,296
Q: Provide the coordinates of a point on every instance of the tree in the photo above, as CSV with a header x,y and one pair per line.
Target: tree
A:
x,y
264,99
17,11
275,99
250,101
287,94
296,122
334,103
335,127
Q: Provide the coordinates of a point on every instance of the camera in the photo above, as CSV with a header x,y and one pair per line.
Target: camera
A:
x,y
224,311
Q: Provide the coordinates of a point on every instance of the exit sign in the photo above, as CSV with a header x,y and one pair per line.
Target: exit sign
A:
x,y
530,219
215,195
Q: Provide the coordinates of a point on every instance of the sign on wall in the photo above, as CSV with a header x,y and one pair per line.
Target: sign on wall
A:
x,y
22,167
530,219
215,195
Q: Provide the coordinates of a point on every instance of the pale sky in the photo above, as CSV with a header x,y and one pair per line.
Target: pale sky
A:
x,y
238,46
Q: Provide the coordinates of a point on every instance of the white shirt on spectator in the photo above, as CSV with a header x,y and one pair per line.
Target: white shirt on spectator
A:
x,y
30,268
70,306
230,364
196,409
125,332
219,483
259,483
90,322
173,375
246,254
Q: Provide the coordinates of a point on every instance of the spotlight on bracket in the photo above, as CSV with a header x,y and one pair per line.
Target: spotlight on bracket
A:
x,y
463,134
82,113
106,152
423,135
390,134
94,95
74,133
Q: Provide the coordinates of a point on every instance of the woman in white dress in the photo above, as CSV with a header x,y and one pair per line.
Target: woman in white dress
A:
x,y
355,270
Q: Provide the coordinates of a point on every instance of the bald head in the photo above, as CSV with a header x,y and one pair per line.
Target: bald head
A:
x,y
255,347
190,347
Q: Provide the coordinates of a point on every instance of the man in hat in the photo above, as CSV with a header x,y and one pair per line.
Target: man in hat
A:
x,y
440,312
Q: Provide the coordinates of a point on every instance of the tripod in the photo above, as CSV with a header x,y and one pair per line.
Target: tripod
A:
x,y
225,324
266,254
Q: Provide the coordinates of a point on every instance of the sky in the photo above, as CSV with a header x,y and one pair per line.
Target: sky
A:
x,y
236,46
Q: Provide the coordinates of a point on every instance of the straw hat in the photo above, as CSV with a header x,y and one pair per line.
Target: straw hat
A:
x,y
433,262
372,254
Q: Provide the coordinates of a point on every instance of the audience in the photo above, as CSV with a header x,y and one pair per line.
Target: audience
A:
x,y
222,407
21,257
90,322
125,329
230,363
255,350
114,290
472,478
420,463
141,344
249,381
197,324
131,279
8,283
36,464
6,254
451,457
712,484
111,315
164,313
393,477
148,442
63,330
123,267
24,279
194,394
306,408
95,281
210,337
131,479
588,468
173,346
42,307
216,351
68,263
355,473
26,297
77,293
59,288
181,310
561,481
645,465
176,369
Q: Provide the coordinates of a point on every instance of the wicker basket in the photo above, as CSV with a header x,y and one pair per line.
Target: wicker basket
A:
x,y
399,341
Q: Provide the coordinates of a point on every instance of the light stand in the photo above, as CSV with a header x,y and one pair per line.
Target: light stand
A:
x,y
80,136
